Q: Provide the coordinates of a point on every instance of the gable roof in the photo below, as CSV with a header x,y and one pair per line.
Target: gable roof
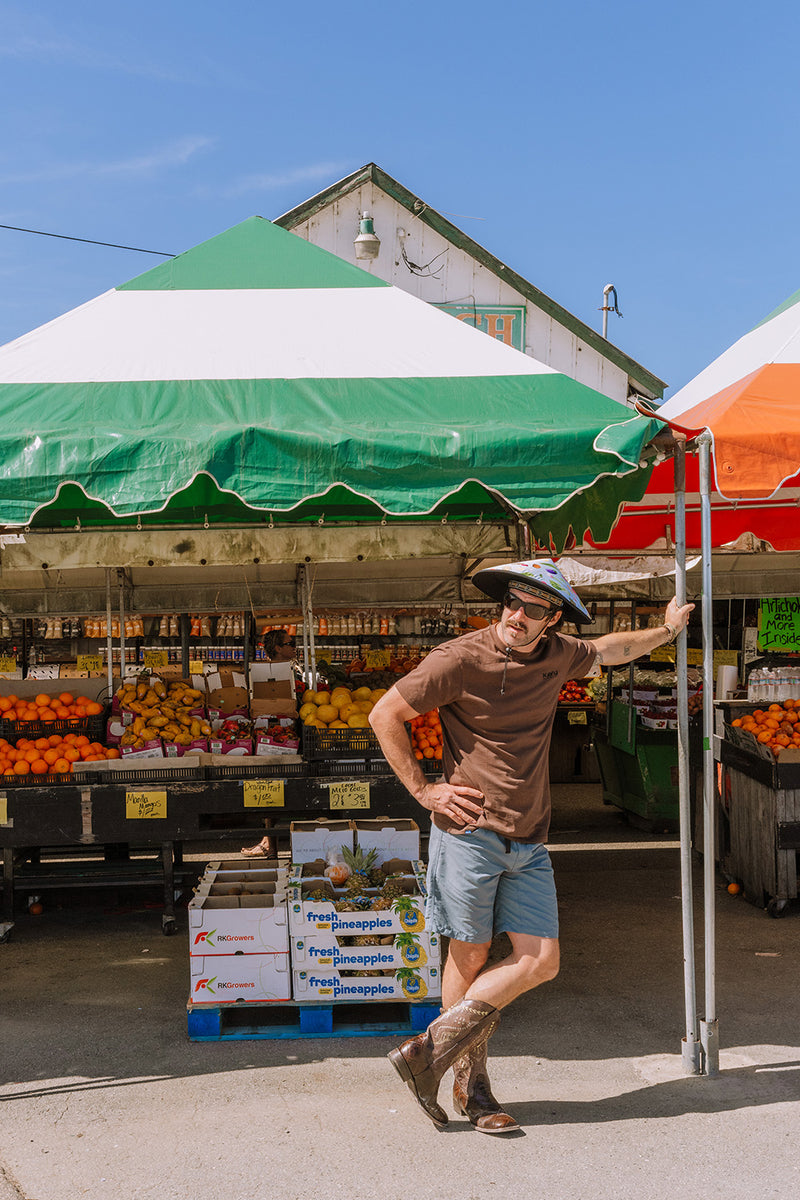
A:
x,y
640,377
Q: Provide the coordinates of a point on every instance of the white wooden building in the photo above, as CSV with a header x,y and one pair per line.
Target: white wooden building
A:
x,y
425,254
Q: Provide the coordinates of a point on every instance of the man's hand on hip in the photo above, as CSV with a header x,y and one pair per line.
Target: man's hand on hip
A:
x,y
458,804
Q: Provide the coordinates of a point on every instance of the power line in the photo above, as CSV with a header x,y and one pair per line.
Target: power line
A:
x,y
89,241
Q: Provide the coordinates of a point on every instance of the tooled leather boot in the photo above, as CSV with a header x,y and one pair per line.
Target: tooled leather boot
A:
x,y
472,1093
421,1061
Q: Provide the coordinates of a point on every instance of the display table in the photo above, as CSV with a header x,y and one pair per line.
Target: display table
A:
x,y
763,807
162,811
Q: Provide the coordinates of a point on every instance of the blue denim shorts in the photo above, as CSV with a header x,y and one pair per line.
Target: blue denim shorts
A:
x,y
476,889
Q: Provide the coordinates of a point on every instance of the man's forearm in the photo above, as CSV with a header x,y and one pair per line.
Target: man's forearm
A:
x,y
614,649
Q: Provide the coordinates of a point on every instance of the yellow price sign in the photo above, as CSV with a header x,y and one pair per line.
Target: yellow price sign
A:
x,y
3,809
195,666
8,664
576,718
263,793
323,655
90,662
154,660
378,659
726,658
663,654
348,793
145,806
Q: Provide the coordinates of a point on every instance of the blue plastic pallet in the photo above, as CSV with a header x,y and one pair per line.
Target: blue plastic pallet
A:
x,y
238,1022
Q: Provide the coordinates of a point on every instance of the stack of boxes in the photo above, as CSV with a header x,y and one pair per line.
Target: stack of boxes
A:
x,y
260,933
372,953
238,935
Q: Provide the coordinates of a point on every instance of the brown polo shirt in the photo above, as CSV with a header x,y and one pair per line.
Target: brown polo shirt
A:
x,y
495,730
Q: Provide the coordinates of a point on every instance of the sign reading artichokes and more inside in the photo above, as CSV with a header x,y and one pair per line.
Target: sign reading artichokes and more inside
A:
x,y
779,625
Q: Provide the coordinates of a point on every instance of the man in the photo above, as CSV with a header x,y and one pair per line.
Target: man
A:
x,y
489,871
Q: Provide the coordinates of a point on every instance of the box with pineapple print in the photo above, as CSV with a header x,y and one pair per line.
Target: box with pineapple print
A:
x,y
404,983
316,908
365,952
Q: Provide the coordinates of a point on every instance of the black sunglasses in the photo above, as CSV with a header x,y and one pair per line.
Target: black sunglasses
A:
x,y
530,608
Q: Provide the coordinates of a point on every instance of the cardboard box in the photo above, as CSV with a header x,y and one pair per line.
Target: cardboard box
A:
x,y
405,950
391,837
404,984
236,978
238,925
313,839
309,917
226,692
272,691
138,761
263,870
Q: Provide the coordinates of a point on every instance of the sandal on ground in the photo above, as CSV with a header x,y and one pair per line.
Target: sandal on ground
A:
x,y
264,849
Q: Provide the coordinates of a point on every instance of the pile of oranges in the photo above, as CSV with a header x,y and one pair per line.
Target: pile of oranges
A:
x,y
426,735
53,755
777,727
44,709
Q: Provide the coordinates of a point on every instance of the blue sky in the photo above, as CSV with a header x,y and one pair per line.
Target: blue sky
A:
x,y
649,146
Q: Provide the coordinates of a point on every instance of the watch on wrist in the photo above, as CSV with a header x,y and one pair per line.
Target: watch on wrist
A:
x,y
672,631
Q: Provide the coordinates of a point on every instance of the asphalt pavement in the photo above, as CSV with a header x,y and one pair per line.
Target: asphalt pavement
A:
x,y
104,1096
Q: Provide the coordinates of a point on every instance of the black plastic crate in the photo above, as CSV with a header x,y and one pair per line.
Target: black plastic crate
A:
x,y
145,775
258,771
36,780
339,743
92,727
348,769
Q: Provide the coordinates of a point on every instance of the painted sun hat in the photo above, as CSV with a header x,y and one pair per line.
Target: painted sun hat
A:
x,y
539,576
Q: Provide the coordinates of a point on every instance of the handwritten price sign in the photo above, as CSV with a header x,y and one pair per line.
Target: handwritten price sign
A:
x,y
154,660
145,806
348,793
8,664
378,659
263,793
90,662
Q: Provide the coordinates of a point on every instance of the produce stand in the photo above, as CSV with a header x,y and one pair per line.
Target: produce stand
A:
x,y
161,809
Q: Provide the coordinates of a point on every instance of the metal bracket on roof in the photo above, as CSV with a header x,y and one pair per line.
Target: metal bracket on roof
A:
x,y
271,522
78,524
479,520
139,521
205,520
444,519
321,520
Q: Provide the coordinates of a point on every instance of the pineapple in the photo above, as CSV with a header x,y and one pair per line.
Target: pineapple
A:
x,y
360,864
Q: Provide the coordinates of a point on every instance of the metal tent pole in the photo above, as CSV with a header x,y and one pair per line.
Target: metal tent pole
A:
x,y
121,578
709,1026
690,1047
109,638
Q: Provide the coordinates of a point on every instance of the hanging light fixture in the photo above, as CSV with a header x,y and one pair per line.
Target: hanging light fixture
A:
x,y
367,244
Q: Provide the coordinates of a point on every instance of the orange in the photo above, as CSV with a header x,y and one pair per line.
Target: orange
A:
x,y
113,752
54,739
42,700
21,767
70,753
418,754
41,743
66,697
428,752
39,767
50,756
61,767
93,709
5,704
81,740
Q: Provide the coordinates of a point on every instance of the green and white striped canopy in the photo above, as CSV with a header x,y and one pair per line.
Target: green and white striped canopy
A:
x,y
259,377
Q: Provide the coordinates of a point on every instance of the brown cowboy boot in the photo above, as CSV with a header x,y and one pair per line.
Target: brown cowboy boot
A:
x,y
423,1060
472,1094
